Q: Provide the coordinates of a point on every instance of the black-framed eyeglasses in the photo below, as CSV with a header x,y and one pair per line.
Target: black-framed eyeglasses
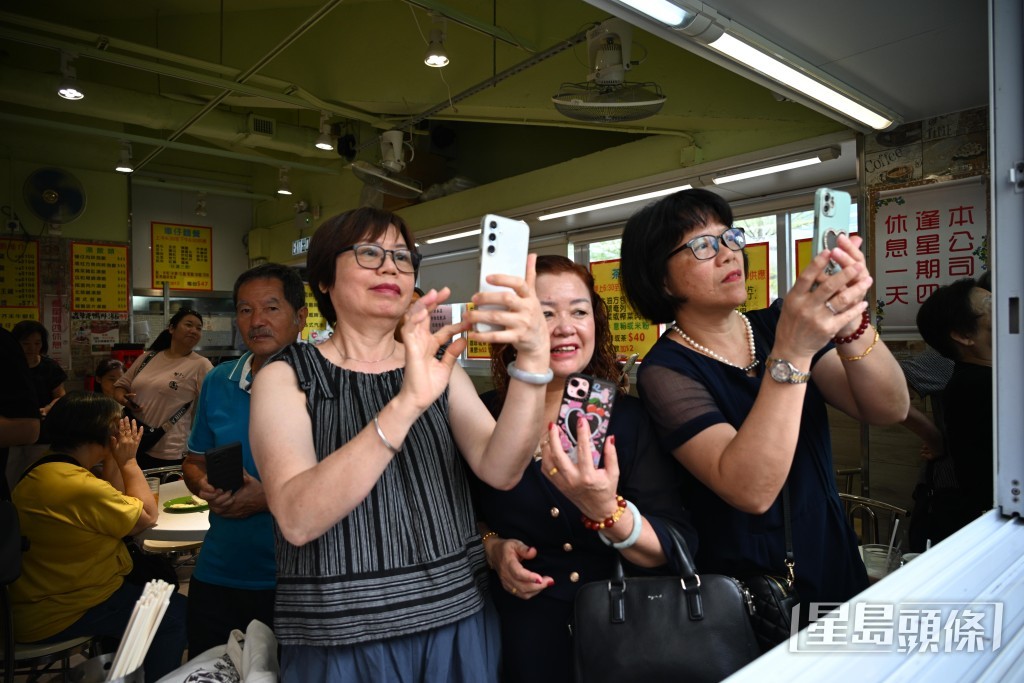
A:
x,y
372,256
706,246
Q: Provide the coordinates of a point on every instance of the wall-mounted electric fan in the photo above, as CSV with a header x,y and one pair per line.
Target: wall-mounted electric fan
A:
x,y
386,176
55,196
607,97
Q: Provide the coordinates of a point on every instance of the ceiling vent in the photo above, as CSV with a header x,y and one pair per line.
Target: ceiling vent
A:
x,y
261,125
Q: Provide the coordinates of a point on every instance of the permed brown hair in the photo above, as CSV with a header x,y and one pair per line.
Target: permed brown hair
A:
x,y
602,364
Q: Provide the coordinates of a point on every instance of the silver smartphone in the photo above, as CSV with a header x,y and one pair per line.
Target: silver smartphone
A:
x,y
504,244
831,219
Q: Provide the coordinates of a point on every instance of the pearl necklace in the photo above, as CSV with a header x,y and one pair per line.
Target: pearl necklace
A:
x,y
345,356
705,350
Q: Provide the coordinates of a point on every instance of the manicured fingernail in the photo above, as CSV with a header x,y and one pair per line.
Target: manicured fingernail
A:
x,y
540,581
612,439
550,425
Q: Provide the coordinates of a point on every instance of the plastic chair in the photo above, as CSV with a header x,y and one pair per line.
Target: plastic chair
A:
x,y
864,514
24,659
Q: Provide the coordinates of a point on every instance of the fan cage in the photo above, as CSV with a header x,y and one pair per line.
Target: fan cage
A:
x,y
628,102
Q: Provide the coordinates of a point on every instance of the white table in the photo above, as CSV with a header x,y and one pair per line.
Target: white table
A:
x,y
171,526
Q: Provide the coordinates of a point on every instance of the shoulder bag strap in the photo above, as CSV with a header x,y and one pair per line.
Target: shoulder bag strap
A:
x,y
52,457
788,521
178,415
145,361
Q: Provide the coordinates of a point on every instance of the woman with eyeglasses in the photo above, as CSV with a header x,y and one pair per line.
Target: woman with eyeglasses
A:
x,y
740,399
161,389
364,443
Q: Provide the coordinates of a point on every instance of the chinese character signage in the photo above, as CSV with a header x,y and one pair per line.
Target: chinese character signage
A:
x,y
925,237
475,349
99,278
182,257
758,272
315,322
19,281
630,333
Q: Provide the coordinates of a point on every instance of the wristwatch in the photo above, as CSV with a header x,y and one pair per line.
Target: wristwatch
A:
x,y
784,371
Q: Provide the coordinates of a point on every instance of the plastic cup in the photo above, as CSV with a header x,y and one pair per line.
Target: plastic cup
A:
x,y
880,561
154,486
907,557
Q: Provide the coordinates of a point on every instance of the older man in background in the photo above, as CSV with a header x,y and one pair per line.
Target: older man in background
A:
x,y
234,578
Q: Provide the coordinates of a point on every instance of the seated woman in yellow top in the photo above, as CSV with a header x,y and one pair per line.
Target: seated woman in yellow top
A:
x,y
72,580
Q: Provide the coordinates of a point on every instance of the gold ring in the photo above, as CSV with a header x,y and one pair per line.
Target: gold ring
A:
x,y
553,471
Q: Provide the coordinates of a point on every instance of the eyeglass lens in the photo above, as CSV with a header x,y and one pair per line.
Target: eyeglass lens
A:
x,y
373,255
706,246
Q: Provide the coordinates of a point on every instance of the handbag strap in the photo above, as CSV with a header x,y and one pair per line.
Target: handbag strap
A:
x,y
788,522
145,361
178,415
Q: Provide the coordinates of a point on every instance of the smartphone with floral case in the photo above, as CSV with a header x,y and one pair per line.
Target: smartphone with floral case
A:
x,y
592,399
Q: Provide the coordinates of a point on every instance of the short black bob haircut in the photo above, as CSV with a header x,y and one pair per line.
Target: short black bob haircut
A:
x,y
26,328
80,418
654,231
365,224
946,311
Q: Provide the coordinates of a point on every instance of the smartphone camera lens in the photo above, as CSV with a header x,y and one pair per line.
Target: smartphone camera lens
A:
x,y
492,236
494,224
490,249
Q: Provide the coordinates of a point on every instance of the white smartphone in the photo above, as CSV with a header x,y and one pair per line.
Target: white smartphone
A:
x,y
831,219
504,243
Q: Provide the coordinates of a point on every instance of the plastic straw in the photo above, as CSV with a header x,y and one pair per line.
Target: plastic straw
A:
x,y
928,544
142,626
892,540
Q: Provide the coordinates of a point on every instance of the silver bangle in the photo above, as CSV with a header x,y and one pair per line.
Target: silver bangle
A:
x,y
634,535
538,378
380,433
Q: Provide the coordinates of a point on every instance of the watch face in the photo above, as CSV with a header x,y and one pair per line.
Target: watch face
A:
x,y
781,370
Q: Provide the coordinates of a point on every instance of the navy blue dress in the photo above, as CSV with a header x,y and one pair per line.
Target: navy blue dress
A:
x,y
536,644
687,392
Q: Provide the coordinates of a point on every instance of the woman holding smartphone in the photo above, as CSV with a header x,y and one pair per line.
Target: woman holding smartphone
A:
x,y
739,399
364,443
538,545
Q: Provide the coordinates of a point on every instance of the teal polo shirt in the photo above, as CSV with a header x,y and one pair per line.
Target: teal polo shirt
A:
x,y
237,553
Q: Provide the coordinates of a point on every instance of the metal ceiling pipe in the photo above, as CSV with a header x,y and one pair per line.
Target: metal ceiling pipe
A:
x,y
31,89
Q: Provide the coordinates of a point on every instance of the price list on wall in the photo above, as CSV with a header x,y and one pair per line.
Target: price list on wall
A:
x,y
19,281
182,256
99,278
630,333
314,318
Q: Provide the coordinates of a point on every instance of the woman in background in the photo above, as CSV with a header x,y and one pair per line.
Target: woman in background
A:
x,y
161,388
107,373
47,375
534,536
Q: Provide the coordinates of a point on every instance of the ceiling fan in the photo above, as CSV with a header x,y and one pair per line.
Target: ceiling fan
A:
x,y
606,96
55,196
385,177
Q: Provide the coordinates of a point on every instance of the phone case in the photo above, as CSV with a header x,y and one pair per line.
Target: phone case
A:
x,y
224,466
831,219
504,243
591,398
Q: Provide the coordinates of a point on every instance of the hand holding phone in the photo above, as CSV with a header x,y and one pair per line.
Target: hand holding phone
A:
x,y
589,398
504,244
224,467
831,219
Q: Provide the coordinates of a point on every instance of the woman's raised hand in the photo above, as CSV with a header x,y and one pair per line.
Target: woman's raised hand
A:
x,y
819,306
127,440
592,489
426,376
522,320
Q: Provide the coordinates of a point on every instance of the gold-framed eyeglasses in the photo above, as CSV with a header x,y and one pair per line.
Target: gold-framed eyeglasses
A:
x,y
706,246
371,256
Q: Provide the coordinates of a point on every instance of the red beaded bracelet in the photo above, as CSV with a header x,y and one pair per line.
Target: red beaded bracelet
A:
x,y
864,322
608,523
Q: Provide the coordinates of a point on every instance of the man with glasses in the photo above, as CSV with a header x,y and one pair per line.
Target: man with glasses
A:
x,y
235,576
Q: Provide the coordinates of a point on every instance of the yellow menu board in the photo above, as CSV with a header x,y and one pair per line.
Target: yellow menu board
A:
x,y
19,281
758,272
630,333
99,278
476,349
182,256
802,254
314,319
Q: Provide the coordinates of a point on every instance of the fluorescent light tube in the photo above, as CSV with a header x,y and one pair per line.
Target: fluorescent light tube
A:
x,y
767,170
660,10
445,238
776,70
614,202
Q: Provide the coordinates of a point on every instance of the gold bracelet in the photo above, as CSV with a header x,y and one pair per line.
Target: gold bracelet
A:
x,y
483,539
866,351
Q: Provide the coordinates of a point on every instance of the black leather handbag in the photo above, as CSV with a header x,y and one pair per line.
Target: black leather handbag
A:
x,y
774,597
689,627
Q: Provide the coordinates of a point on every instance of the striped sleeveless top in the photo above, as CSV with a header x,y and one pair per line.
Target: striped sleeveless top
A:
x,y
408,558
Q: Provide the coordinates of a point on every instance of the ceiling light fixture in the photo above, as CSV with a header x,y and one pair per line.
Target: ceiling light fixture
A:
x,y
777,166
614,202
699,28
282,181
325,141
200,209
455,236
124,163
436,55
68,88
